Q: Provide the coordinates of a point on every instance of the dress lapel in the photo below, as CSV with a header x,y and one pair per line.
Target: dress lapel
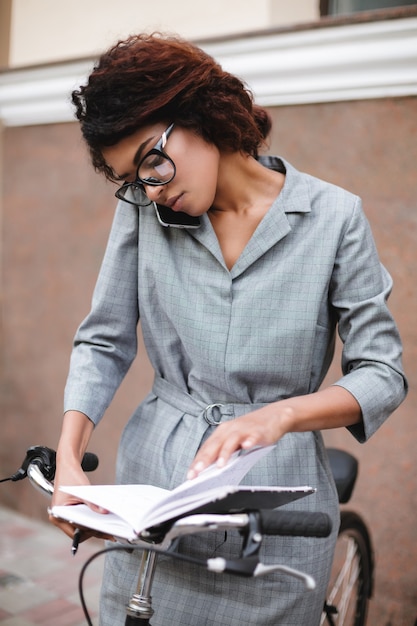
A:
x,y
294,198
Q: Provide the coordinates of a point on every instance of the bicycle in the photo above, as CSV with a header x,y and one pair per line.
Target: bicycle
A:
x,y
352,577
351,581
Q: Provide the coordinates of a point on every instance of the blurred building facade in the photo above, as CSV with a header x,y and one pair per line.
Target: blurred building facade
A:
x,y
341,87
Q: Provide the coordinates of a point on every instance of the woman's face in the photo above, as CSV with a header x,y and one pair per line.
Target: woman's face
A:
x,y
194,186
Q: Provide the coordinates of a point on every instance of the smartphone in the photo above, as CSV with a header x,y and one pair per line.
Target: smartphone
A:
x,y
175,219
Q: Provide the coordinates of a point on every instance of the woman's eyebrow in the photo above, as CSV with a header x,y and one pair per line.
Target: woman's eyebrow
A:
x,y
136,157
139,151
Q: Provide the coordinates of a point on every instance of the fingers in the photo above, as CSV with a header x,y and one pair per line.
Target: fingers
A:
x,y
66,527
218,449
85,533
89,533
260,428
95,508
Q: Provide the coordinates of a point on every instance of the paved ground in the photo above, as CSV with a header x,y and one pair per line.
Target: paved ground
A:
x,y
39,576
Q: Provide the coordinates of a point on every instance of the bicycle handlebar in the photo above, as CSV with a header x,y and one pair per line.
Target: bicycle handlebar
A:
x,y
295,523
39,466
45,459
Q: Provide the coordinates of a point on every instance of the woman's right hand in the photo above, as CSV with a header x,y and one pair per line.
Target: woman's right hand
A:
x,y
76,432
68,474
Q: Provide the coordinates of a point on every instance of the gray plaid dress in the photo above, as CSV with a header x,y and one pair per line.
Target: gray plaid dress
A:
x,y
258,333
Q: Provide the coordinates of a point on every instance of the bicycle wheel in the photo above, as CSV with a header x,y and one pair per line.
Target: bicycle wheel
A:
x,y
351,580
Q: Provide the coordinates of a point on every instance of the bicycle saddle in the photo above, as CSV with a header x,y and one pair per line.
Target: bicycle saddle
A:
x,y
344,468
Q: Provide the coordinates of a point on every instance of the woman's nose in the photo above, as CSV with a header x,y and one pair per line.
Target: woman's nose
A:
x,y
153,192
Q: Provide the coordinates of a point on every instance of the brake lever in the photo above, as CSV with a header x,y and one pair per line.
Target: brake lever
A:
x,y
251,566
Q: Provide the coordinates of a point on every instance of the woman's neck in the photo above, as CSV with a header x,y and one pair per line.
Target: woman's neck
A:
x,y
244,185
245,193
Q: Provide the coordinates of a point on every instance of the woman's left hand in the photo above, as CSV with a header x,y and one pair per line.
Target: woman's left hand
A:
x,y
334,407
262,427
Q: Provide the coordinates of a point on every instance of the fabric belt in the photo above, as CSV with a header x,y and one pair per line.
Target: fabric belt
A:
x,y
213,414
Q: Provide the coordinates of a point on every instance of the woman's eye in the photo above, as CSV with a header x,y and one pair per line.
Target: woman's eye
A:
x,y
153,161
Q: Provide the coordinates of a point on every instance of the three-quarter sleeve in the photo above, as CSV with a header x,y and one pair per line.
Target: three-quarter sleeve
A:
x,y
105,344
372,350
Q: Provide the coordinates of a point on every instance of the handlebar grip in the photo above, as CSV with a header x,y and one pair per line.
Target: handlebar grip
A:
x,y
45,459
295,523
89,462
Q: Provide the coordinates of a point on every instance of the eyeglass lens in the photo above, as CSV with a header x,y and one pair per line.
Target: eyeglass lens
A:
x,y
156,169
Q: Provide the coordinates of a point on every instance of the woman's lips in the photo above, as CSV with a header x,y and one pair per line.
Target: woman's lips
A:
x,y
174,202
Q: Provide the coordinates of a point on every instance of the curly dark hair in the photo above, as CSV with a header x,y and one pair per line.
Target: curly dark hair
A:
x,y
149,78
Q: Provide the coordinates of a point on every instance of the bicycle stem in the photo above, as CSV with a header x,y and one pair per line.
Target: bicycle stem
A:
x,y
140,604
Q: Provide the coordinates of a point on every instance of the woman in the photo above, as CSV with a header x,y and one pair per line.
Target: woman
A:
x,y
239,302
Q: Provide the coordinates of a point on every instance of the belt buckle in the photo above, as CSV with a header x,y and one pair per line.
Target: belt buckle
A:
x,y
213,416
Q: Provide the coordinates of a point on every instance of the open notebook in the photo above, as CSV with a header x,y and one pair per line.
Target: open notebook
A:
x,y
133,509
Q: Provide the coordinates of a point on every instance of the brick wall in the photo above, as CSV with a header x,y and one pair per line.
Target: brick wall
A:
x,y
56,216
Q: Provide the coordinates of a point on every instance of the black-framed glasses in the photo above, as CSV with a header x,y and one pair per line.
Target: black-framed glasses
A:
x,y
155,169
